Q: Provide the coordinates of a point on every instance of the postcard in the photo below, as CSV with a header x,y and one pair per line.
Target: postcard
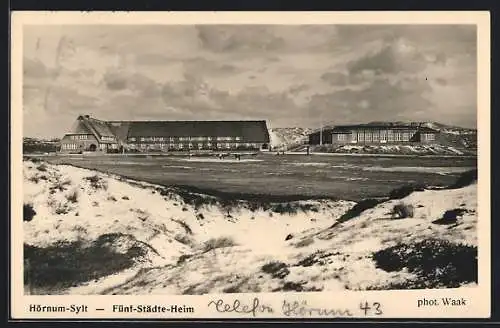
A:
x,y
250,165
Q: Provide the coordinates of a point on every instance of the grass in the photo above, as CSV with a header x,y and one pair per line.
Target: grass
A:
x,y
60,185
357,209
199,197
276,269
28,212
42,167
304,242
67,264
402,211
62,209
315,258
436,263
402,192
73,196
183,258
184,225
450,216
96,182
220,242
465,179
183,239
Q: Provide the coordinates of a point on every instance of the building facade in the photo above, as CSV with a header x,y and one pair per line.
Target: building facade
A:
x,y
373,134
90,135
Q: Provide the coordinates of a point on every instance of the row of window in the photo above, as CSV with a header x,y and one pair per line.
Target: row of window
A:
x,y
391,136
382,136
79,137
70,146
107,138
429,136
172,139
227,145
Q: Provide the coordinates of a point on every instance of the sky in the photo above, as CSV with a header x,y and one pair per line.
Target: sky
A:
x,y
289,75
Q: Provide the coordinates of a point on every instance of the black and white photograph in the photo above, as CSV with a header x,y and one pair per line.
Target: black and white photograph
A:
x,y
226,158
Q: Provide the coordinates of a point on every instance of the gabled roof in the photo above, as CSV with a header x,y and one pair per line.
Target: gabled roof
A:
x,y
249,130
97,127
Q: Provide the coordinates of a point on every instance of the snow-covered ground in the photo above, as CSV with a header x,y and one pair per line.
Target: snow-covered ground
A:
x,y
259,249
428,149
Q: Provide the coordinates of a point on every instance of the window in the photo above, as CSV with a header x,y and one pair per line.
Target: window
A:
x,y
228,145
354,135
181,146
390,135
200,146
383,135
225,138
430,136
107,138
361,135
375,136
132,139
171,139
406,136
368,136
238,138
398,136
341,137
198,138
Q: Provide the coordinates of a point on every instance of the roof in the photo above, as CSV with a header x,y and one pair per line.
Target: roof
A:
x,y
249,130
100,127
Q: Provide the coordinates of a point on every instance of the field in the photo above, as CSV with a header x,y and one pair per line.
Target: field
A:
x,y
282,177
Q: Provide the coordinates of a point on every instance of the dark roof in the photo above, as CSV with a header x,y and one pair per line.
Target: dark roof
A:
x,y
97,127
249,130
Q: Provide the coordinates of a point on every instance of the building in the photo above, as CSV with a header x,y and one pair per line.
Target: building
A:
x,y
373,134
90,135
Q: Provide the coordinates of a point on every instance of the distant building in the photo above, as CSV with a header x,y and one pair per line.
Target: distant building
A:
x,y
90,135
373,134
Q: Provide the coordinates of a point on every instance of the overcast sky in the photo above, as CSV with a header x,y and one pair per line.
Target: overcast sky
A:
x,y
288,75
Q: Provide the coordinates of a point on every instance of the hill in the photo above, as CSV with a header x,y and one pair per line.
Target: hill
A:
x,y
284,138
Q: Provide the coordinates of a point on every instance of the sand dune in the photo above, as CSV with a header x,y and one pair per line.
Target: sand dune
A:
x,y
186,243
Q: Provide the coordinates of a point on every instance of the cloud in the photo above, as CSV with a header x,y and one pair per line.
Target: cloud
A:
x,y
290,75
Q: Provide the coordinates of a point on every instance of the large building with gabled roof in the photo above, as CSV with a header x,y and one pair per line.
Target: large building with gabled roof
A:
x,y
92,135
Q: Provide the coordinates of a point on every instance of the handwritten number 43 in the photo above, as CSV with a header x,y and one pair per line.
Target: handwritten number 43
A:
x,y
375,308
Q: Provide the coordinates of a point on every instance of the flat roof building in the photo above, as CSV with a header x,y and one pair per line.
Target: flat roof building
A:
x,y
373,134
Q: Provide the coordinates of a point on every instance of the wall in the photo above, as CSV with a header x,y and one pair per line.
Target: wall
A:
x,y
383,136
79,144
